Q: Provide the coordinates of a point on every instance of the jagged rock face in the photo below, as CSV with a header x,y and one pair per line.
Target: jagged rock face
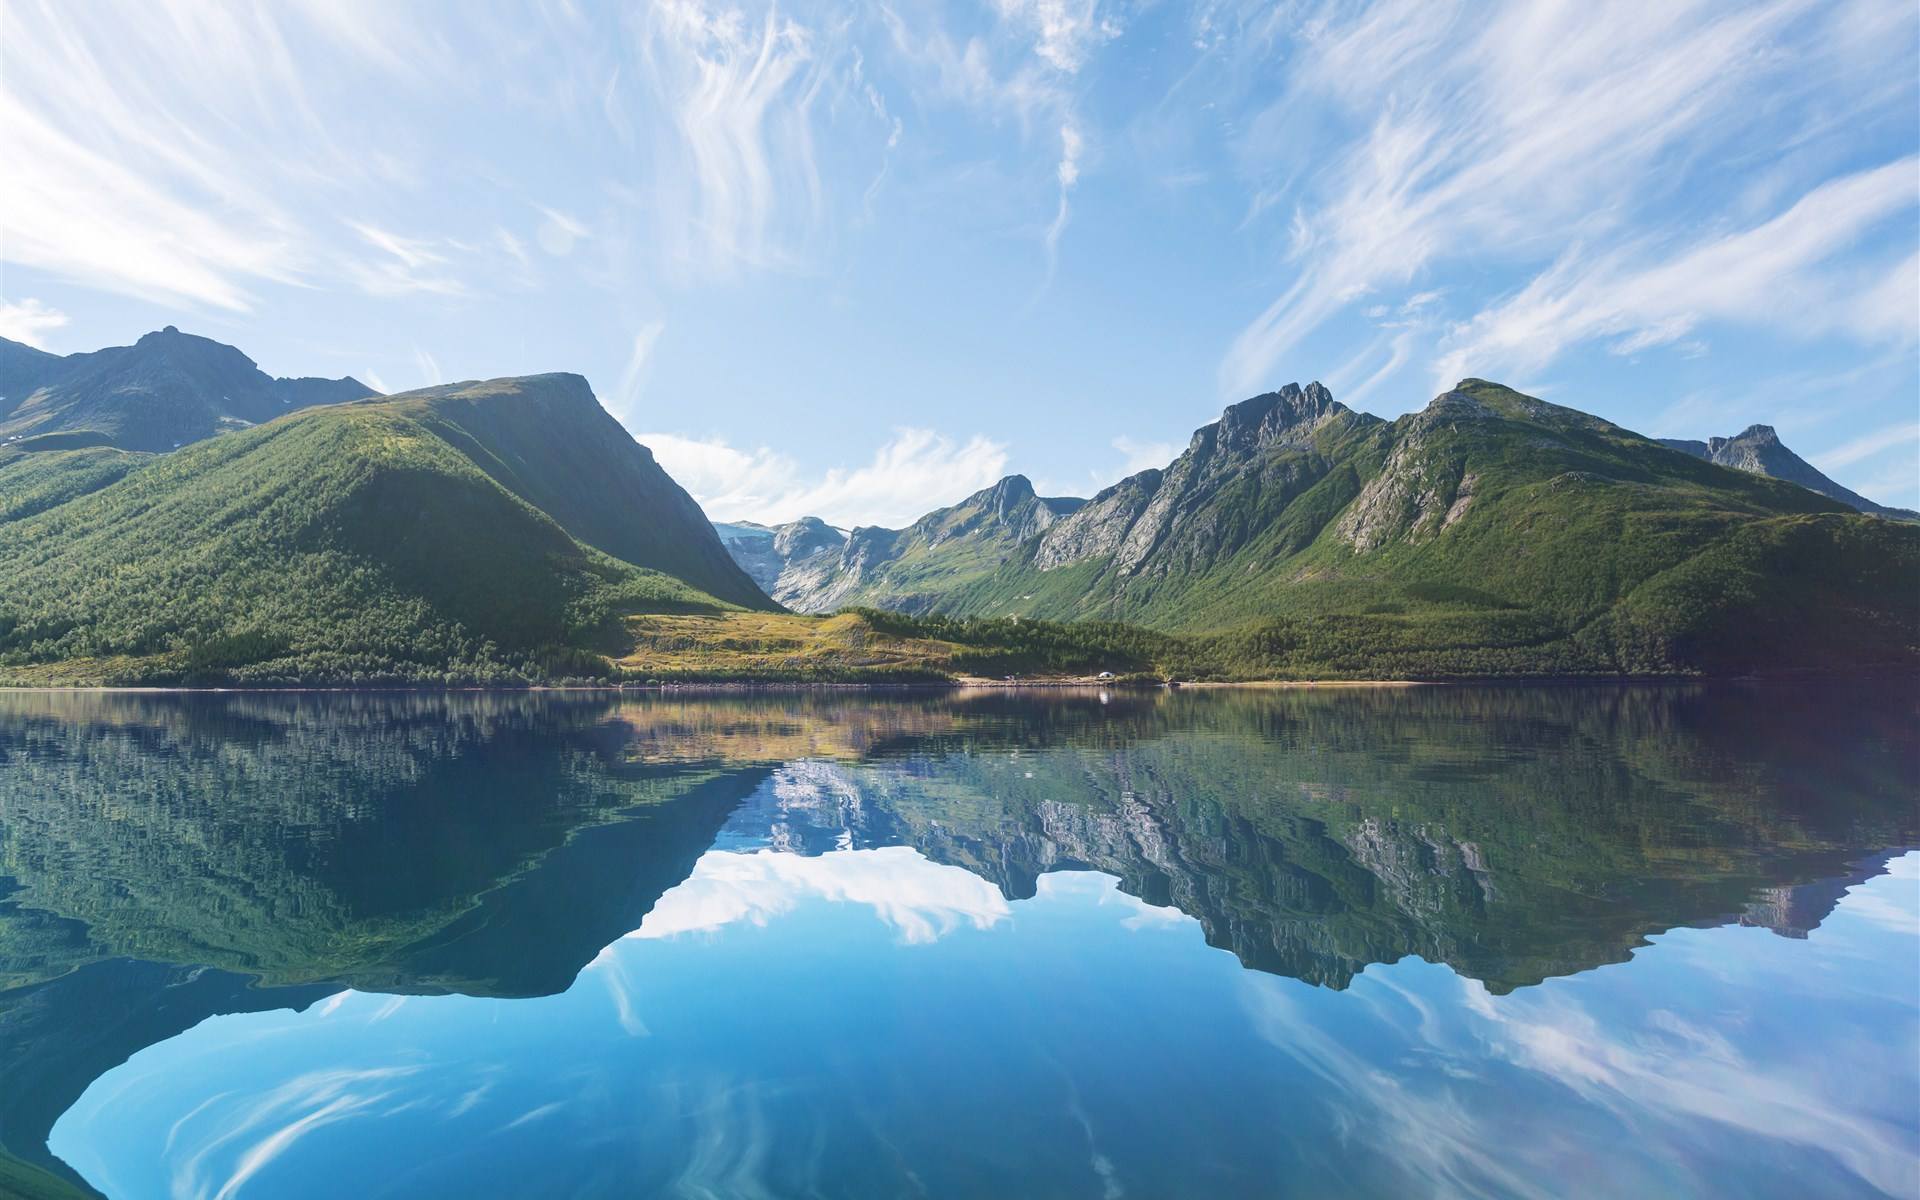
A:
x,y
811,567
808,535
1101,526
789,562
1009,510
1758,450
1160,522
752,548
166,390
1418,493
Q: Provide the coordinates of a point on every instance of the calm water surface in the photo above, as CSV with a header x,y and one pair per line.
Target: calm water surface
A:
x,y
1499,942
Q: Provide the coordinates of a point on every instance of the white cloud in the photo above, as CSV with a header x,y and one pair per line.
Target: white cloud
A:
x,y
405,265
920,900
430,375
1068,174
28,321
913,472
1064,32
634,377
1024,75
1777,273
1509,135
742,185
148,147
82,215
243,1137
1867,445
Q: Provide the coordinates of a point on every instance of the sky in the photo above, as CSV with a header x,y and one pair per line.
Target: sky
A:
x,y
860,260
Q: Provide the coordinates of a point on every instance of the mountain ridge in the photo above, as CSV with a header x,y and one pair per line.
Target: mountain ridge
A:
x,y
491,531
1487,531
167,390
1110,521
1757,449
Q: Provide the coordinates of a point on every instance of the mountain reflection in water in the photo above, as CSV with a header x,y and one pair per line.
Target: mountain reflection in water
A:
x,y
164,859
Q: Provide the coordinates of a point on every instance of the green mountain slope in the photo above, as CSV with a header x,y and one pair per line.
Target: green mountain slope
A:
x,y
546,439
43,472
400,539
166,390
1490,532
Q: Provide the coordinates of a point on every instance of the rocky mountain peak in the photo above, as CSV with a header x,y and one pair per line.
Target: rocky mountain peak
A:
x,y
1006,494
808,535
1270,418
170,338
1757,435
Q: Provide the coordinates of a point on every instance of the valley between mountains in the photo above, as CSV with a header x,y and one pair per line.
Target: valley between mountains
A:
x,y
170,515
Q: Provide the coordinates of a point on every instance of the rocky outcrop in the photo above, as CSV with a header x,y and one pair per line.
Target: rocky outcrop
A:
x,y
1758,450
811,567
1164,521
1419,492
786,561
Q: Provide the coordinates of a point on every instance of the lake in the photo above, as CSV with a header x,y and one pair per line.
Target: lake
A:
x,y
1599,941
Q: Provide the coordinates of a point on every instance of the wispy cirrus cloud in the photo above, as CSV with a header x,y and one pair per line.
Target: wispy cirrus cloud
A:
x,y
1510,134
85,216
402,265
190,152
144,145
1778,272
741,185
911,473
633,378
1868,446
1025,69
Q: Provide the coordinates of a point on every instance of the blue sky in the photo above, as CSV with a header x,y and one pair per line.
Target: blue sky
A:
x,y
859,260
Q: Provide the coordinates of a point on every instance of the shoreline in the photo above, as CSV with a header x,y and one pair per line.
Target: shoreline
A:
x,y
746,687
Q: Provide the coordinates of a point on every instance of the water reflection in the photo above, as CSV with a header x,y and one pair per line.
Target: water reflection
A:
x,y
164,859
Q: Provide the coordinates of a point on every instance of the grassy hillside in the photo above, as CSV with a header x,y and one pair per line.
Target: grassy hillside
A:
x,y
873,645
350,543
511,531
1490,533
547,440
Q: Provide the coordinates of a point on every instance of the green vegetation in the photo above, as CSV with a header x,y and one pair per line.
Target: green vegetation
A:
x,y
511,532
1490,534
871,645
32,482
359,543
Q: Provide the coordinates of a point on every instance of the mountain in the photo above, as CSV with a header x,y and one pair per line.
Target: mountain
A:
x,y
790,562
166,390
484,531
1489,532
546,439
812,567
1758,449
